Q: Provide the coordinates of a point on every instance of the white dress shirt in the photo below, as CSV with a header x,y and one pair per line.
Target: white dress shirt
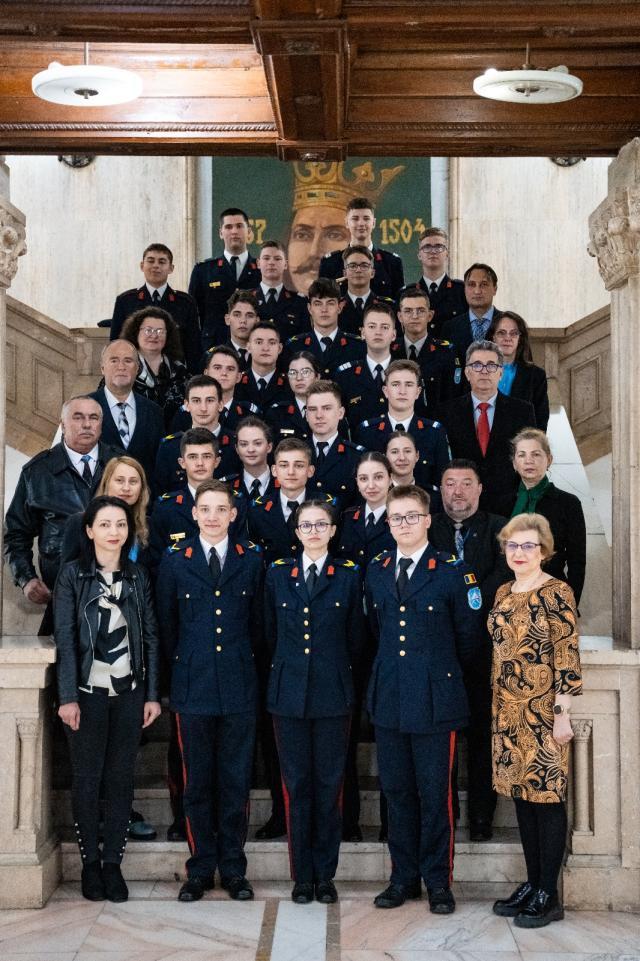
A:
x,y
160,290
242,260
307,562
78,463
263,478
373,363
490,412
414,557
221,549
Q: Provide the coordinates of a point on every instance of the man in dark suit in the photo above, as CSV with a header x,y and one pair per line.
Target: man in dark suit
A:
x,y
425,611
480,287
214,280
360,219
480,426
327,342
446,296
461,528
287,309
130,422
156,265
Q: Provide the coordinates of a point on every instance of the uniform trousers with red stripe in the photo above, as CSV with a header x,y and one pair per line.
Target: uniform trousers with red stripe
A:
x,y
217,757
415,773
313,754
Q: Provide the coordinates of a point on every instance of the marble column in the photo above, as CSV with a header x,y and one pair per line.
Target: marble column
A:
x,y
614,229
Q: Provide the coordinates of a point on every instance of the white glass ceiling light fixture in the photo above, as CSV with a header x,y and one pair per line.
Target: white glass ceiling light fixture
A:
x,y
86,85
528,85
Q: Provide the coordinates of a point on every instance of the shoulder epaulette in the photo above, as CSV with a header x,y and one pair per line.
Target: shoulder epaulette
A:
x,y
284,562
344,367
381,557
349,565
452,559
248,546
258,500
436,423
168,437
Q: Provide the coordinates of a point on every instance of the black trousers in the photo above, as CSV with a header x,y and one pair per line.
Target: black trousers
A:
x,y
312,759
543,832
217,757
104,749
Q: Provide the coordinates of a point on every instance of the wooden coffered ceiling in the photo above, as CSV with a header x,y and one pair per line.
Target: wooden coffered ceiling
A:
x,y
322,79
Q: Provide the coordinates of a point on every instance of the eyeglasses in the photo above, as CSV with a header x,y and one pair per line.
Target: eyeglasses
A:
x,y
413,517
362,265
153,331
413,311
304,372
321,527
489,368
527,548
434,248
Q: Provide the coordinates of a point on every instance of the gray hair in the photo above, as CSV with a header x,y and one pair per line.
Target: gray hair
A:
x,y
484,345
67,404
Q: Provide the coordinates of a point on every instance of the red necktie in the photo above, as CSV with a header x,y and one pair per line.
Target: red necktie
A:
x,y
482,428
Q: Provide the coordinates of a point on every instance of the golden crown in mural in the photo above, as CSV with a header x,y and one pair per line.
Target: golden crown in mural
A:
x,y
329,185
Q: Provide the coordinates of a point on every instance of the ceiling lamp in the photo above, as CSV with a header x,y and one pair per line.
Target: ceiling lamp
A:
x,y
528,85
86,85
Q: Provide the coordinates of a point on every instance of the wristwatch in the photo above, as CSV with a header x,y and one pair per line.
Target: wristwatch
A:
x,y
559,709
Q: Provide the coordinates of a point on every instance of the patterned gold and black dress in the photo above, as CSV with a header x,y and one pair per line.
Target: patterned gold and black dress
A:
x,y
535,657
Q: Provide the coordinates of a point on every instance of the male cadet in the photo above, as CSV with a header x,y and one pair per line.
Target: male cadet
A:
x,y
262,383
472,535
214,280
480,426
130,422
241,318
254,443
210,613
331,346
402,388
480,286
439,363
335,459
203,404
362,381
425,613
287,309
446,296
156,265
54,484
223,364
388,279
358,269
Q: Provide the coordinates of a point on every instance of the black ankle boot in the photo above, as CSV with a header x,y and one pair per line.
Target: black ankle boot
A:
x,y
92,882
115,888
541,909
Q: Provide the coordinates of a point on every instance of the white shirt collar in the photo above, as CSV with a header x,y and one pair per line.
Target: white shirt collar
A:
x,y
283,502
263,478
428,281
76,458
491,402
238,347
377,513
418,344
267,287
332,335
221,549
114,402
329,441
192,491
363,297
243,258
307,562
414,557
487,315
160,290
266,377
373,363
302,404
405,423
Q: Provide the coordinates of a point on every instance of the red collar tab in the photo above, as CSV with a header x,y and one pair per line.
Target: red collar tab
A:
x,y
449,283
225,439
221,262
294,571
356,516
239,549
432,564
172,297
188,552
386,561
179,499
420,425
268,505
141,294
291,409
378,255
330,570
381,425
341,448
358,371
343,341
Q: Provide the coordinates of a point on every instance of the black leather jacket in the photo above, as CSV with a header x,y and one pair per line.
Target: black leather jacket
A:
x,y
48,491
76,617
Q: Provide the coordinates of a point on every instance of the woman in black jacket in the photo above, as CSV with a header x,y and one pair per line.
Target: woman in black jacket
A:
x,y
107,672
520,377
537,495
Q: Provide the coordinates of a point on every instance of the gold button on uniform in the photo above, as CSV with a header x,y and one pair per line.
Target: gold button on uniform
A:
x,y
218,630
306,650
218,648
307,636
402,653
217,593
218,612
402,608
305,610
403,623
430,607
402,637
306,623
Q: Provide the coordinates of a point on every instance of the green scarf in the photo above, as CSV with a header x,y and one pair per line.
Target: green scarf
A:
x,y
527,500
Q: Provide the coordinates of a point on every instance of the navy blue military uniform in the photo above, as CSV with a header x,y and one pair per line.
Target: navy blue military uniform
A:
x,y
288,312
441,370
314,639
359,541
345,347
211,631
351,316
169,475
286,420
268,528
388,279
178,303
172,522
430,438
240,489
276,390
211,285
230,416
362,394
336,475
447,301
417,702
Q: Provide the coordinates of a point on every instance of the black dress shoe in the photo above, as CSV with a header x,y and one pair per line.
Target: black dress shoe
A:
x,y
115,888
480,831
177,831
274,828
352,834
302,893
239,888
541,909
194,888
326,892
396,894
92,882
441,901
509,907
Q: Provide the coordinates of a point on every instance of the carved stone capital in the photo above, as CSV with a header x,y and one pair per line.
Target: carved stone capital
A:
x,y
582,728
12,241
27,727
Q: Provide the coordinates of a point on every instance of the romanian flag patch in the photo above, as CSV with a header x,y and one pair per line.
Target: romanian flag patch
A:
x,y
470,579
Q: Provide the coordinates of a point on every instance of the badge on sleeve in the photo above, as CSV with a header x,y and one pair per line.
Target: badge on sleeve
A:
x,y
474,597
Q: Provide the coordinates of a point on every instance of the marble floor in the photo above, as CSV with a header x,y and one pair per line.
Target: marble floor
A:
x,y
153,926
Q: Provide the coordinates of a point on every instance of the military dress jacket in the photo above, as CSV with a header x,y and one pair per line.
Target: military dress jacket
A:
x,y
388,279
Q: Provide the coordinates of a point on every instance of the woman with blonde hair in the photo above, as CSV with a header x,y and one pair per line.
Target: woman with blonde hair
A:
x,y
535,674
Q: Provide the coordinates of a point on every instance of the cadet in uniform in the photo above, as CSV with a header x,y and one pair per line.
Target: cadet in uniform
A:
x,y
426,614
253,445
389,276
362,381
446,296
335,459
287,309
358,270
214,280
313,624
327,342
262,383
209,602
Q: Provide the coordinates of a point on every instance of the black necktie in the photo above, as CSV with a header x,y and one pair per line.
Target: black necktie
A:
x,y
261,384
322,446
255,489
326,342
413,353
224,413
402,581
156,297
291,520
371,523
433,287
378,375
86,470
399,426
243,354
312,577
271,295
234,264
359,304
214,565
